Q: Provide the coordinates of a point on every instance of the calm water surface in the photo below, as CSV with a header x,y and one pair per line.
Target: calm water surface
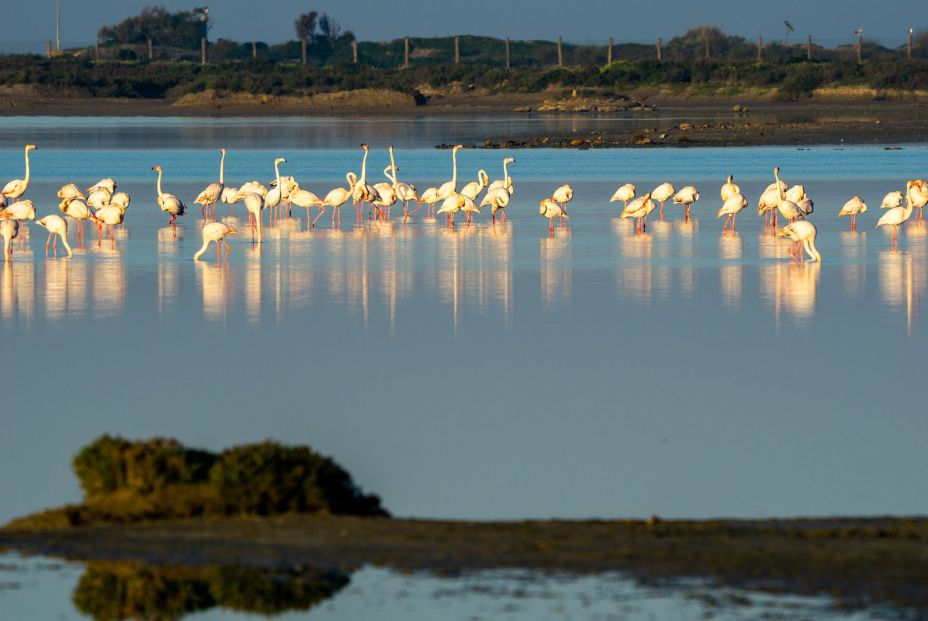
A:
x,y
488,372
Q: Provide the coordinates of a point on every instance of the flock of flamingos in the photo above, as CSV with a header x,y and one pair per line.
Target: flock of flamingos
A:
x,y
103,206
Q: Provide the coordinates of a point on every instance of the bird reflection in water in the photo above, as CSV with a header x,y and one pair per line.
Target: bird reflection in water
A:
x,y
252,283
854,255
663,251
555,266
168,269
902,280
634,272
65,288
685,231
216,283
730,272
791,287
17,291
109,280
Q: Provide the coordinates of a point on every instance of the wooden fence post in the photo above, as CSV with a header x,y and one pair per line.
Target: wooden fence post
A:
x,y
303,51
560,53
860,37
151,54
457,50
406,52
809,49
49,48
96,49
203,51
909,46
658,48
254,50
508,56
609,52
760,49
354,51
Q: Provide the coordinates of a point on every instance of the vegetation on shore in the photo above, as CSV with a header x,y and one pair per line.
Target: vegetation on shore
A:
x,y
125,481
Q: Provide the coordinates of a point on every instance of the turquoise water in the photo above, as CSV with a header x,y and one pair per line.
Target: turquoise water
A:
x,y
488,372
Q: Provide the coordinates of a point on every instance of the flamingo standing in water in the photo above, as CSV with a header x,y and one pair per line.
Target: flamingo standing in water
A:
x,y
254,203
22,212
803,233
551,209
498,199
107,184
640,209
730,209
17,187
893,199
306,199
208,198
364,192
70,191
216,232
625,193
686,196
169,203
430,198
918,194
448,188
111,216
79,211
786,204
896,216
56,226
562,196
729,188
506,181
9,230
662,194
854,207
339,196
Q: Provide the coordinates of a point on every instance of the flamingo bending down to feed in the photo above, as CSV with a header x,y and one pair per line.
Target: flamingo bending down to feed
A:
x,y
506,181
853,208
730,209
107,184
339,196
640,209
729,188
169,203
208,198
896,216
551,209
22,212
625,193
497,199
111,216
803,233
69,192
55,225
9,229
785,205
254,204
17,187
79,211
662,194
686,196
216,232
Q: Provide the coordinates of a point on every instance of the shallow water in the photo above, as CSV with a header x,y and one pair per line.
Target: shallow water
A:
x,y
488,372
38,588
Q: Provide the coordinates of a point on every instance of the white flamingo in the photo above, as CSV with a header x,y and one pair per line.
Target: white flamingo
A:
x,y
562,196
788,208
70,191
273,197
306,199
21,211
110,216
430,198
363,191
498,199
217,232
56,226
208,198
107,184
891,200
730,209
448,188
729,188
169,203
254,204
506,181
339,196
686,196
9,230
551,209
624,193
662,194
803,233
853,208
640,208
79,211
896,216
17,187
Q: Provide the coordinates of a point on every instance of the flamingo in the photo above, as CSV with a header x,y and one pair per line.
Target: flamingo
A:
x,y
729,188
806,206
306,199
801,232
854,207
640,209
452,205
17,187
107,184
686,196
551,209
21,211
506,181
662,194
774,189
254,186
70,191
430,198
287,185
79,211
230,196
625,193
363,192
896,216
254,203
498,199
473,189
562,196
730,208
339,196
121,200
796,194
98,199
404,191
9,230
448,188
891,200
270,198
111,216
918,194
386,195
217,232
169,203
213,192
788,208
55,225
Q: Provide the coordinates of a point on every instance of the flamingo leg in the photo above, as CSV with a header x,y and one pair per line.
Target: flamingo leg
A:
x,y
47,242
319,215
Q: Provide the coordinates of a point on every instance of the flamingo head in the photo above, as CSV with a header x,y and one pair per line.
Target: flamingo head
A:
x,y
457,147
232,231
509,160
222,150
280,160
776,170
156,167
31,147
364,146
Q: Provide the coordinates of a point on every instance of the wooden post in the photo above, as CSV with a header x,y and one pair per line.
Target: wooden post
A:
x,y
303,51
809,49
658,48
909,46
707,46
560,53
406,52
457,50
760,49
609,52
354,51
203,51
49,48
508,56
860,37
96,49
254,49
151,54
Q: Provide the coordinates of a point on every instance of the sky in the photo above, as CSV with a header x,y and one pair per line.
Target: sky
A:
x,y
591,20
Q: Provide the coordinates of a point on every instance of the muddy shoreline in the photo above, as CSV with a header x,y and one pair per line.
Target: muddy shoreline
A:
x,y
859,562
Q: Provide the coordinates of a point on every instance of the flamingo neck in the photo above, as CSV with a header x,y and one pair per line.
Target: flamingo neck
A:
x,y
506,172
781,194
393,165
27,167
222,169
386,173
363,179
201,250
160,193
454,169
352,180
277,174
812,250
64,240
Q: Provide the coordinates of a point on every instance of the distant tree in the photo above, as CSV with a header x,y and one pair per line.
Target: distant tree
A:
x,y
182,29
330,28
305,25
